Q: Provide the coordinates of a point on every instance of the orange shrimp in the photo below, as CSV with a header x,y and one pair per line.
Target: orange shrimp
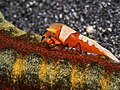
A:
x,y
62,34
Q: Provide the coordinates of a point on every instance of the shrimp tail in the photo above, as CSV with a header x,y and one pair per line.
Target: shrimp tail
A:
x,y
106,52
109,54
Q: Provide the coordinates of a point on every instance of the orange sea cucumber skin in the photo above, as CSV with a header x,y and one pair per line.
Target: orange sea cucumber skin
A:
x,y
50,70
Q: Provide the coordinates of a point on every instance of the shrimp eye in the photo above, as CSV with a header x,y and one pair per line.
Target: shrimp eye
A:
x,y
43,37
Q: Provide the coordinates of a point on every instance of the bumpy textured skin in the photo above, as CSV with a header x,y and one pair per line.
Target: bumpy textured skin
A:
x,y
27,64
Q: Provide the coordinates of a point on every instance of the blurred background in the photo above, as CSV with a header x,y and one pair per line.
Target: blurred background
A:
x,y
36,15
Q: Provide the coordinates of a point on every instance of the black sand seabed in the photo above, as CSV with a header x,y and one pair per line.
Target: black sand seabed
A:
x,y
37,15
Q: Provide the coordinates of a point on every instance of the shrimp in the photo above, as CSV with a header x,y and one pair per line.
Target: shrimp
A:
x,y
62,34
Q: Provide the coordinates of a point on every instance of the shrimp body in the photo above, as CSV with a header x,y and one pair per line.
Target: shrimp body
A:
x,y
66,35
